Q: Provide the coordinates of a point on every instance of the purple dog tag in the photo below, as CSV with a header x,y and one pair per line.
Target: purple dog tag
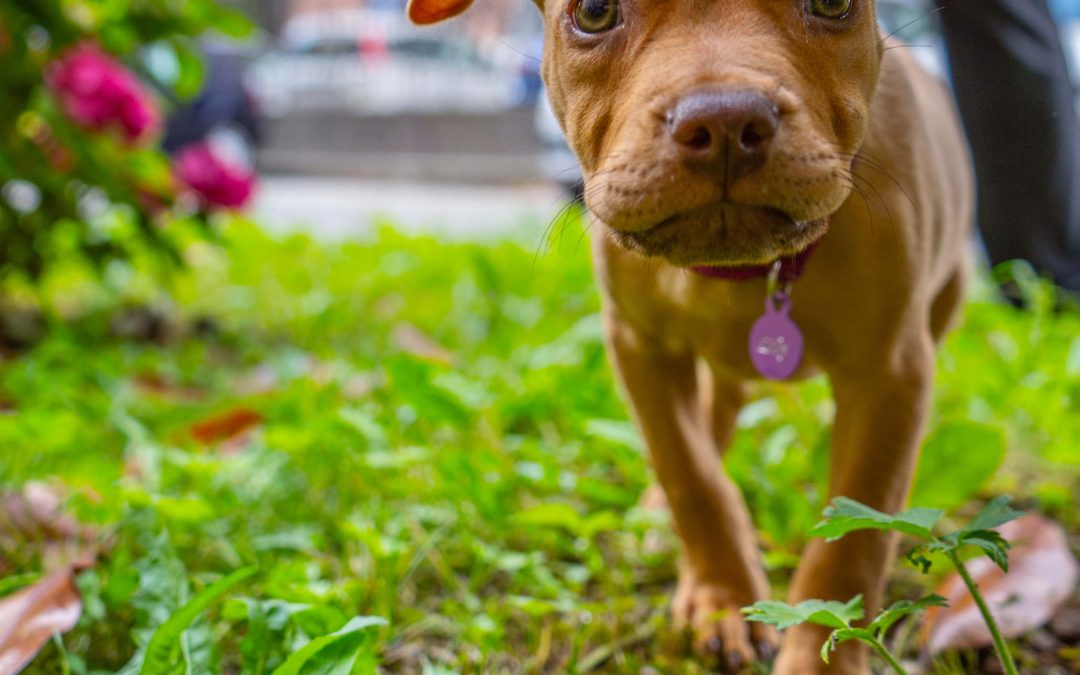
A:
x,y
776,343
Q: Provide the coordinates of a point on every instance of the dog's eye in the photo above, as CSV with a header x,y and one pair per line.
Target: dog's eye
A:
x,y
595,16
830,9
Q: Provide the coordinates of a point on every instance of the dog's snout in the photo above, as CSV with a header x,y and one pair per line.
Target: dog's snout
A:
x,y
723,130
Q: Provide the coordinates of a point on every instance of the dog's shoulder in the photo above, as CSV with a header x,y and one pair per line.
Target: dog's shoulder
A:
x,y
908,94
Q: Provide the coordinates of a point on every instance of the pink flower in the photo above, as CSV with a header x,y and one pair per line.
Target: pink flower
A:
x,y
97,93
217,182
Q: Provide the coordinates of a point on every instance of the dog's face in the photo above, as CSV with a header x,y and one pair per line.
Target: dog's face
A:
x,y
713,131
710,132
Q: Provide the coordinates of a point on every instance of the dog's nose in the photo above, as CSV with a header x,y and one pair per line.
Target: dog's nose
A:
x,y
724,130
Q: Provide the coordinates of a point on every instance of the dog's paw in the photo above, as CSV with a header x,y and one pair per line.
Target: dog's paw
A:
x,y
711,614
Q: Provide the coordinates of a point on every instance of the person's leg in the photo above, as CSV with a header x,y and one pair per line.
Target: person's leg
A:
x,y
1017,102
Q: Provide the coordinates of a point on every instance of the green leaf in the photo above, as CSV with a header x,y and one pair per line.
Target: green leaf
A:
x,y
842,635
1072,361
956,460
232,23
256,643
829,613
334,653
979,533
553,514
847,515
164,647
898,610
617,432
992,544
827,648
469,394
367,425
917,558
191,70
995,514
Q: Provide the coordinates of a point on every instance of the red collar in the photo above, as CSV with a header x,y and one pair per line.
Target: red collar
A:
x,y
791,268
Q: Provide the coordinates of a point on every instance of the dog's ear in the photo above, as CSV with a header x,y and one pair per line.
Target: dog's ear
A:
x,y
432,11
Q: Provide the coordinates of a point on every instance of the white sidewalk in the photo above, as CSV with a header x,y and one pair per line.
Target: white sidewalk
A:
x,y
349,208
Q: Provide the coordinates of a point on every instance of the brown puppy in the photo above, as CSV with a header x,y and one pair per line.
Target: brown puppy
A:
x,y
720,135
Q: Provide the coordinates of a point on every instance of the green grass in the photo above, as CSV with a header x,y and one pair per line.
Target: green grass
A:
x,y
484,506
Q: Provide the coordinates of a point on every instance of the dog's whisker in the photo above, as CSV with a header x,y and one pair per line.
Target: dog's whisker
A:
x,y
558,223
891,224
906,46
556,226
584,233
545,238
872,163
517,51
913,22
862,195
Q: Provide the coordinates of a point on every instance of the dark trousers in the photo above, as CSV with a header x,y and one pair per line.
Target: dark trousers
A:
x,y
1017,104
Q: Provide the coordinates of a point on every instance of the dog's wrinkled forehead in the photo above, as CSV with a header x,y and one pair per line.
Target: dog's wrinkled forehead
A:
x,y
816,37
593,22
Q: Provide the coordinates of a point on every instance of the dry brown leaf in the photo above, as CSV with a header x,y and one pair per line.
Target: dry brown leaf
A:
x,y
411,340
29,617
34,517
1042,575
36,511
228,427
152,384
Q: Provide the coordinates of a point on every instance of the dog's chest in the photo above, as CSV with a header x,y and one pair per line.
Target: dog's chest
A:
x,y
681,311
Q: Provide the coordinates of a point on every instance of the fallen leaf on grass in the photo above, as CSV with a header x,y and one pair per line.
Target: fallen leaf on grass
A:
x,y
30,617
358,386
34,517
266,378
153,384
36,509
1042,575
410,340
230,427
262,379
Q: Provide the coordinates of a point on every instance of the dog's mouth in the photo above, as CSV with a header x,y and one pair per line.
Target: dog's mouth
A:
x,y
724,236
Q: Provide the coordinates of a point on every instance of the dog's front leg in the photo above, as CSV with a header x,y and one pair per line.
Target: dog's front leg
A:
x,y
878,429
721,569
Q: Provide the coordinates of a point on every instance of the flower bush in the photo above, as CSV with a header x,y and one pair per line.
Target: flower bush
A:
x,y
97,93
81,176
216,182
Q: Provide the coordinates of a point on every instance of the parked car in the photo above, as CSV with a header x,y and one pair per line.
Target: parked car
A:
x,y
376,63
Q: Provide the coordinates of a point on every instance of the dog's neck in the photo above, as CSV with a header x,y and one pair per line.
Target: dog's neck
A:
x,y
791,268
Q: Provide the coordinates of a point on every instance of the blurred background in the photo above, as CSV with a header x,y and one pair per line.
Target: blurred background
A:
x,y
352,113
350,109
